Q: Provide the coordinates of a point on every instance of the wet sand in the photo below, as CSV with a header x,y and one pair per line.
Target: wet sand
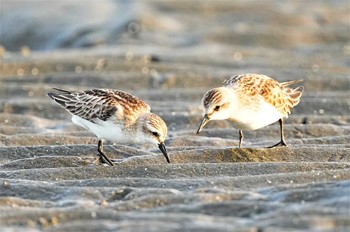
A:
x,y
51,180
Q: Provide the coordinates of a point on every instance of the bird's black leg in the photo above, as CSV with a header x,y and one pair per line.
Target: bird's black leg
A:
x,y
241,137
102,154
282,142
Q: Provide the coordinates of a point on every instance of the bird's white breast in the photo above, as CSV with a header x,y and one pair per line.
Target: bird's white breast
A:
x,y
107,130
252,118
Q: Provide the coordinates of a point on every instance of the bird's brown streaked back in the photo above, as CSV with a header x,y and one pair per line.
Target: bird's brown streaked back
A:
x,y
275,93
101,104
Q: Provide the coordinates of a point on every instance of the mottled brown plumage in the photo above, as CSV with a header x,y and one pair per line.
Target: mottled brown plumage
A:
x,y
102,104
113,115
251,101
256,86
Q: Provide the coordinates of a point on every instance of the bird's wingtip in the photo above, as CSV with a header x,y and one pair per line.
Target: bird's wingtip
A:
x,y
50,95
61,90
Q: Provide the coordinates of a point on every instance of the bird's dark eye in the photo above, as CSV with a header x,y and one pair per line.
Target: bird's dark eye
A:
x,y
217,108
156,134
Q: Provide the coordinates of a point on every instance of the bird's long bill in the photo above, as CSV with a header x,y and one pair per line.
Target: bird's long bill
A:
x,y
205,120
163,149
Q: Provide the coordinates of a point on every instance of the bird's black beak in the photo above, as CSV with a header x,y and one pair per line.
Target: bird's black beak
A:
x,y
205,120
163,149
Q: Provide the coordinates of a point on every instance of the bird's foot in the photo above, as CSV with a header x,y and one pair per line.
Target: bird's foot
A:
x,y
279,144
99,161
103,159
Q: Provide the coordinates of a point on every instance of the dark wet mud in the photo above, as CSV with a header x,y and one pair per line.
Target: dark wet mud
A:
x,y
170,54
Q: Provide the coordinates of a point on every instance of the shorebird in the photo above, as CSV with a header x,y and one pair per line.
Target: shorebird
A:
x,y
251,101
113,115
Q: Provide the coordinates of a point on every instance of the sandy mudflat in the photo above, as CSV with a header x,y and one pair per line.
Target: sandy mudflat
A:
x,y
170,54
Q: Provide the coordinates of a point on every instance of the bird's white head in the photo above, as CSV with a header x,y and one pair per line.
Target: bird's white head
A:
x,y
217,105
154,131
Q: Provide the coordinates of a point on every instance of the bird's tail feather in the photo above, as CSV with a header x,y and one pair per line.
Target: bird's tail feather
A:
x,y
287,83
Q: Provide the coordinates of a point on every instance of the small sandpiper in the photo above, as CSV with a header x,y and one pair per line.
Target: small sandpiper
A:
x,y
113,115
251,101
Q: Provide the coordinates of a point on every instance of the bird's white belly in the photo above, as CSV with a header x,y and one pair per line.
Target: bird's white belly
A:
x,y
105,130
247,118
